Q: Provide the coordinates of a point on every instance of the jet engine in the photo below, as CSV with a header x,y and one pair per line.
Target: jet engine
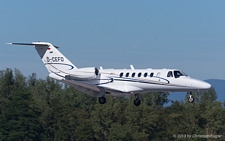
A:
x,y
84,74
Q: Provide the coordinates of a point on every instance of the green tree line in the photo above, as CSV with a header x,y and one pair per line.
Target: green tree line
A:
x,y
44,109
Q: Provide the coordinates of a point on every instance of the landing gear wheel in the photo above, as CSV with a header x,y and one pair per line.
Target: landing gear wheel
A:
x,y
137,101
191,99
102,100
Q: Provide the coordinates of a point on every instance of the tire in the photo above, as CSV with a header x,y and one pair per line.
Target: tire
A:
x,y
191,99
102,100
137,102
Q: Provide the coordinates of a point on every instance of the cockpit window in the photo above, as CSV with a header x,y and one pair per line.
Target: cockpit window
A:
x,y
121,74
170,74
177,74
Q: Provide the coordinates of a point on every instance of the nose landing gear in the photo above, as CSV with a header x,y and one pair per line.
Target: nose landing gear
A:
x,y
191,98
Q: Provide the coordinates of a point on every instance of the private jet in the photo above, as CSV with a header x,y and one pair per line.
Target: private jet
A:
x,y
118,82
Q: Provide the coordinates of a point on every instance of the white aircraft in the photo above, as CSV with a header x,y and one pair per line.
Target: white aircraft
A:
x,y
117,82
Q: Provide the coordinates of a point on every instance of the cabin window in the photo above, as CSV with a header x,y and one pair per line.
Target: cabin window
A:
x,y
121,74
145,75
151,75
158,74
139,74
127,74
133,74
170,74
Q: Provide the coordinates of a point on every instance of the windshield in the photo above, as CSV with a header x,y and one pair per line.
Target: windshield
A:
x,y
177,74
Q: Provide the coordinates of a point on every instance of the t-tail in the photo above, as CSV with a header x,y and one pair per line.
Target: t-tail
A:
x,y
56,63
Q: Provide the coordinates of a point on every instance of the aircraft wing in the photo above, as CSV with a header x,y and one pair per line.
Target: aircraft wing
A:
x,y
94,90
82,87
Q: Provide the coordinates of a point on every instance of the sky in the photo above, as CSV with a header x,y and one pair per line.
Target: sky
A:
x,y
186,35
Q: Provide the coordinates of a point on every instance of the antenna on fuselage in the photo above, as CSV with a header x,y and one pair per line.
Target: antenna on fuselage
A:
x,y
132,67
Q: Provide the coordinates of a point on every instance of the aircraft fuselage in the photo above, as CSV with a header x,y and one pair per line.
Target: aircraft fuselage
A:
x,y
117,82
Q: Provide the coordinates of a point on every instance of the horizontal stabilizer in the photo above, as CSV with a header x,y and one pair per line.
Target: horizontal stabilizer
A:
x,y
33,44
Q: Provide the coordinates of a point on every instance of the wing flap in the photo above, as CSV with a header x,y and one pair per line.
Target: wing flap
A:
x,y
84,88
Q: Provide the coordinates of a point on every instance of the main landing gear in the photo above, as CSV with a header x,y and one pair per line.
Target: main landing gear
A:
x,y
137,100
191,98
102,100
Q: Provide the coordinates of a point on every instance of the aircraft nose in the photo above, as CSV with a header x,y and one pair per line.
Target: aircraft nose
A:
x,y
204,85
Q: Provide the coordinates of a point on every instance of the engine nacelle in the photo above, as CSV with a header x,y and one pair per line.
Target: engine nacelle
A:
x,y
84,74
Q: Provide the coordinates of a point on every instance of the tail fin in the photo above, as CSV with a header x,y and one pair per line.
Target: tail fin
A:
x,y
54,60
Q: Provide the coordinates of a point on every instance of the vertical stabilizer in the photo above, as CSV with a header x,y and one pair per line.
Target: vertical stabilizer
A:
x,y
54,60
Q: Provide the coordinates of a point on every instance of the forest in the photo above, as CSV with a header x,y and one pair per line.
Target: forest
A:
x,y
44,109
